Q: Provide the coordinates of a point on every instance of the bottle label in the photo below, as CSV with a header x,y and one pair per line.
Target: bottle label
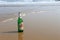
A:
x,y
22,26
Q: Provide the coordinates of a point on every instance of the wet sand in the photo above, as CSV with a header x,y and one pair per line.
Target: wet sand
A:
x,y
8,30
39,24
11,36
42,26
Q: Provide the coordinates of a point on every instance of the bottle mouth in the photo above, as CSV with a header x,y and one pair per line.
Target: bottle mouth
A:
x,y
20,14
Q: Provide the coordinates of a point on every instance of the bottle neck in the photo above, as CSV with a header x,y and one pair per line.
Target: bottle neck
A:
x,y
19,15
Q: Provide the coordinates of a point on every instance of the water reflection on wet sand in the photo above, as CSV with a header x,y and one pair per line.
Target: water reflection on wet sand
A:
x,y
20,36
11,36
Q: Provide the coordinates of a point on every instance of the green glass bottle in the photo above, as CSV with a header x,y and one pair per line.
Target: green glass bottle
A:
x,y
20,23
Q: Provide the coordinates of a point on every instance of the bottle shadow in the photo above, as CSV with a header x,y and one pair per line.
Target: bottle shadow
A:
x,y
20,34
11,32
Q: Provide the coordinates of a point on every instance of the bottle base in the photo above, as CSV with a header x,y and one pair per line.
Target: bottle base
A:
x,y
20,31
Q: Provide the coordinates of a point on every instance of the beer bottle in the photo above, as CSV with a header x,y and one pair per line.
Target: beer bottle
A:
x,y
20,23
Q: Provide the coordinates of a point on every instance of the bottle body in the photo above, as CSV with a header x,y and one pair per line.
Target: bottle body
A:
x,y
20,24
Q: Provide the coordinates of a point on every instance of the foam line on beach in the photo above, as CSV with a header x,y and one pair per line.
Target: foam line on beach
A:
x,y
43,11
10,19
39,11
7,20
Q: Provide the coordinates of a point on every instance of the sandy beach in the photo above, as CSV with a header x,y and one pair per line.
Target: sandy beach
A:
x,y
8,31
40,23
